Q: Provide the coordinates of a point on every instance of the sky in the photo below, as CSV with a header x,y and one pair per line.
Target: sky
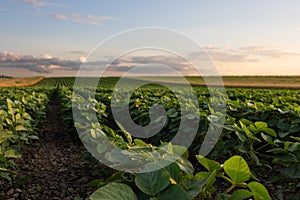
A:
x,y
55,38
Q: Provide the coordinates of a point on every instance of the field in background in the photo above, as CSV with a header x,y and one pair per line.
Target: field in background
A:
x,y
19,82
238,81
290,82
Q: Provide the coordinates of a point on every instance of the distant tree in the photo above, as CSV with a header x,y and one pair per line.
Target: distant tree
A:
x,y
3,76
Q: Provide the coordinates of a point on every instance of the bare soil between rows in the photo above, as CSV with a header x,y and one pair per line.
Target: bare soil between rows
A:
x,y
53,167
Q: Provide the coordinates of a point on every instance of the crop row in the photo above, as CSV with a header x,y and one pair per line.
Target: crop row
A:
x,y
21,111
261,126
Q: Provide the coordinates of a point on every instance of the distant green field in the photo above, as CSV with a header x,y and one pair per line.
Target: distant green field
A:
x,y
229,81
238,81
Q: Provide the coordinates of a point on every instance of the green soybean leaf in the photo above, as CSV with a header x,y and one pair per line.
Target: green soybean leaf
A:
x,y
293,147
185,165
127,135
11,154
201,175
291,172
241,136
101,148
170,148
261,125
259,191
173,192
240,194
295,138
269,131
193,186
296,121
140,143
33,137
255,158
246,121
174,171
210,165
267,138
181,151
287,158
237,169
114,191
294,129
4,169
277,151
283,134
211,179
5,175
222,196
21,128
153,182
211,110
283,126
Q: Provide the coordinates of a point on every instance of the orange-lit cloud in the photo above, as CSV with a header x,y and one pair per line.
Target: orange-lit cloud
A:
x,y
41,64
82,59
254,60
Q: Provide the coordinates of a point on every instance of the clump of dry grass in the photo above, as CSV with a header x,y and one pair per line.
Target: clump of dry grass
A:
x,y
19,82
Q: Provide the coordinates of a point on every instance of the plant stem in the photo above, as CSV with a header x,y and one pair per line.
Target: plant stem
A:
x,y
227,179
242,185
230,188
262,147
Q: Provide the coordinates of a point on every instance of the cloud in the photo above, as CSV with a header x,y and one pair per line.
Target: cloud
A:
x,y
268,51
229,55
82,59
47,56
85,19
76,52
130,62
242,55
152,64
46,63
250,53
54,67
3,9
41,64
36,3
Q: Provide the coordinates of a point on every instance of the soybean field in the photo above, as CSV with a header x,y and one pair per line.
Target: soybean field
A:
x,y
44,153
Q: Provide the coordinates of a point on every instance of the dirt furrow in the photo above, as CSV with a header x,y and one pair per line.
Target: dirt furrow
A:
x,y
53,167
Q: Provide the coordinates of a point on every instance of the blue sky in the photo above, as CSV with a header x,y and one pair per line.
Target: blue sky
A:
x,y
245,37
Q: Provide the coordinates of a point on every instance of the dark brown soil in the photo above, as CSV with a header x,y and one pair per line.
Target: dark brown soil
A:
x,y
53,167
